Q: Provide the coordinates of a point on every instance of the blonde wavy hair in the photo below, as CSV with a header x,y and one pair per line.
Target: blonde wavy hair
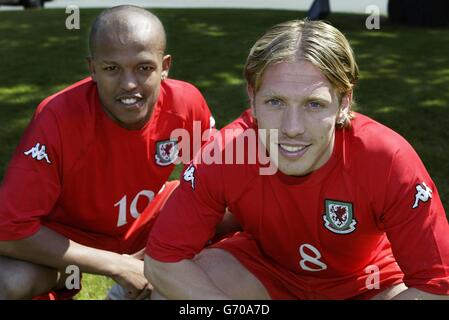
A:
x,y
315,41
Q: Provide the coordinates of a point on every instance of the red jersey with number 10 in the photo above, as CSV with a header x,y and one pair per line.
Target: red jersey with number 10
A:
x,y
81,174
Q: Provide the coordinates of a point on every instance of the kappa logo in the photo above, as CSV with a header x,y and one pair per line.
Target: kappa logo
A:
x,y
423,193
38,152
166,152
189,175
339,217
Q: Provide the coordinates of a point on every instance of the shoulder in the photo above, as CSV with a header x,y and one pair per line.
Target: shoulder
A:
x,y
379,159
370,141
232,151
244,122
73,103
244,127
179,88
70,113
181,97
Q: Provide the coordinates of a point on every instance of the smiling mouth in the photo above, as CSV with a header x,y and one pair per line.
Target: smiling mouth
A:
x,y
293,151
131,102
128,101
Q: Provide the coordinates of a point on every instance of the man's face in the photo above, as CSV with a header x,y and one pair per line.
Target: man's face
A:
x,y
297,99
128,69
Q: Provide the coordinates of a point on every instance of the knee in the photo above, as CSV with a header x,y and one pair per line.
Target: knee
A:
x,y
155,295
17,279
207,255
211,258
230,275
13,286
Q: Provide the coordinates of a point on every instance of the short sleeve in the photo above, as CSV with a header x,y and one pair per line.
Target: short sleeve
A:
x,y
31,185
189,217
416,225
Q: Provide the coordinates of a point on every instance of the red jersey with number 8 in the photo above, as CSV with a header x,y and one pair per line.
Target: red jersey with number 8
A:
x,y
370,216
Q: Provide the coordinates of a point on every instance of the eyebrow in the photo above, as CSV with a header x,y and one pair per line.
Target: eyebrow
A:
x,y
272,94
312,97
114,62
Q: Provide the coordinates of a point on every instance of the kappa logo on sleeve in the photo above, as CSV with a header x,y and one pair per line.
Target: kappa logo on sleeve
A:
x,y
189,175
38,153
211,122
423,193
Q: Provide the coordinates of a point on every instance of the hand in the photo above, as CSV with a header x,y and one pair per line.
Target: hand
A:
x,y
130,276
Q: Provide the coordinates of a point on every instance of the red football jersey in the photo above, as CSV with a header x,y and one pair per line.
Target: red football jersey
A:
x,y
81,174
328,230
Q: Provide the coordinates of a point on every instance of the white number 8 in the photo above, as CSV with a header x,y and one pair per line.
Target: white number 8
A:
x,y
314,260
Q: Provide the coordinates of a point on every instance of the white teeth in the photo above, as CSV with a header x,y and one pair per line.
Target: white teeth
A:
x,y
128,101
291,148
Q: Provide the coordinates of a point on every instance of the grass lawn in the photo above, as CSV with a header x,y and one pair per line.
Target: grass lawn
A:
x,y
404,74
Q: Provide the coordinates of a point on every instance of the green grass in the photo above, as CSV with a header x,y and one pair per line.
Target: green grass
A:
x,y
404,74
94,287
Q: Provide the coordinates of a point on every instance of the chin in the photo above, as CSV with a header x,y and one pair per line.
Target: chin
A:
x,y
290,170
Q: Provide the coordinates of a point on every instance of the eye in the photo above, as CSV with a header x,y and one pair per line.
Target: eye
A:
x,y
145,68
315,105
110,68
274,102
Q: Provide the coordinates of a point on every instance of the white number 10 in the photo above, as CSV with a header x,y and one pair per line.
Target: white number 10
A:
x,y
132,208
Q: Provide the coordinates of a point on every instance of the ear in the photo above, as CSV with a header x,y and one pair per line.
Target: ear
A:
x,y
345,105
166,64
91,66
251,95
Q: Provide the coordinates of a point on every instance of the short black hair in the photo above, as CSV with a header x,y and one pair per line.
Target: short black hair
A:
x,y
100,21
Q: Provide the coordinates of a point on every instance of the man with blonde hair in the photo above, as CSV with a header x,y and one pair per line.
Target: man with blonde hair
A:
x,y
351,212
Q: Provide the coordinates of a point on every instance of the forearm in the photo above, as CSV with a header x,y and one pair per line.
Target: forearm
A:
x,y
415,294
51,249
181,280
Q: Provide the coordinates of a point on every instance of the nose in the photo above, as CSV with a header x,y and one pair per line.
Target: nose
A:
x,y
293,122
128,81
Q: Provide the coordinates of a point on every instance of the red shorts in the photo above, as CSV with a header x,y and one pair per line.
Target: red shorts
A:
x,y
284,284
62,294
134,240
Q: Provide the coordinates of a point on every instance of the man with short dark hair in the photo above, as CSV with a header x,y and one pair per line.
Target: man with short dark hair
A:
x,y
94,158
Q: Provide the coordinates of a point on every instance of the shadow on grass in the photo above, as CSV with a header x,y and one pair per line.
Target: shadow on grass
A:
x,y
404,71
405,85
